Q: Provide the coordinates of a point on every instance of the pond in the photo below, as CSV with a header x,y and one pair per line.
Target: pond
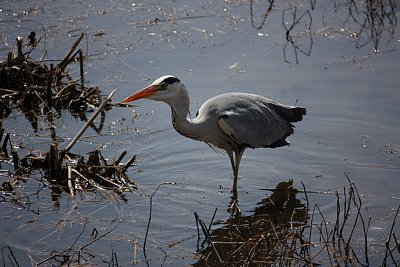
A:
x,y
339,59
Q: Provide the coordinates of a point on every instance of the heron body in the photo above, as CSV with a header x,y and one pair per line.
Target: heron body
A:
x,y
231,121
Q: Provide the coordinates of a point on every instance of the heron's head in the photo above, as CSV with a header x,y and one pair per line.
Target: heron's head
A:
x,y
166,88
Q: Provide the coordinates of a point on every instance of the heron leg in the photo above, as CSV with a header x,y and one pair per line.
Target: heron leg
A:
x,y
238,158
235,162
232,158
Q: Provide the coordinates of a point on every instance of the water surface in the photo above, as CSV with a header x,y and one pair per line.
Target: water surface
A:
x,y
344,73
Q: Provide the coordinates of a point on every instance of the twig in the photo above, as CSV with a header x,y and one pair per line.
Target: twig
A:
x,y
76,239
55,165
110,169
69,181
73,57
92,183
212,219
8,91
72,84
28,72
81,68
271,3
66,58
118,160
289,38
49,94
41,99
88,180
106,233
128,164
6,139
325,240
15,159
10,259
148,223
109,181
135,245
165,257
208,236
20,55
10,59
157,20
387,243
83,129
127,179
196,216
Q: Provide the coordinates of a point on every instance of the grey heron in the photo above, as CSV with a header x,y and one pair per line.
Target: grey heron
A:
x,y
231,121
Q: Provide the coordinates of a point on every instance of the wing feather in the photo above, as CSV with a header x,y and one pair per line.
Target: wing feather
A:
x,y
254,121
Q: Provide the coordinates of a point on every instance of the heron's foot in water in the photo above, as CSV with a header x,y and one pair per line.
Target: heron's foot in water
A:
x,y
234,208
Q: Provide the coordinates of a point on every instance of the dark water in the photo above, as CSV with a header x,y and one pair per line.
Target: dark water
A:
x,y
341,65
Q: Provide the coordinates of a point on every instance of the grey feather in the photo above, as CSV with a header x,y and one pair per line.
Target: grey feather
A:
x,y
252,120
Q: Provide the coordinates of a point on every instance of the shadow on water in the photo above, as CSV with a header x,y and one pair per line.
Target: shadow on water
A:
x,y
262,237
283,230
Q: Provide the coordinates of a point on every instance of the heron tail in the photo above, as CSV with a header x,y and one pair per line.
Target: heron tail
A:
x,y
291,114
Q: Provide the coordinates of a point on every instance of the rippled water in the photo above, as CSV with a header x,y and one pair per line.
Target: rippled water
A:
x,y
351,93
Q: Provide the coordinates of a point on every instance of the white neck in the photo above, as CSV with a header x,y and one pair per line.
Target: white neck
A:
x,y
181,116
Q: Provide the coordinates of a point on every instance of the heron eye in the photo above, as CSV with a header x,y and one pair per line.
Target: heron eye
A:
x,y
163,86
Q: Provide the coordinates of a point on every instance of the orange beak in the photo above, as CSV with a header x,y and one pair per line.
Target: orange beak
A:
x,y
145,92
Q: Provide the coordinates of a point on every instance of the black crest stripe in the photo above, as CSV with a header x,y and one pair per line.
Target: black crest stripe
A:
x,y
171,80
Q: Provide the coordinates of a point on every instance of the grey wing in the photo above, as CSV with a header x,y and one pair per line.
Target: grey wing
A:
x,y
255,125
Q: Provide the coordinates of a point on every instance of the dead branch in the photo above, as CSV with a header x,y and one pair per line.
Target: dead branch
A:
x,y
84,127
61,66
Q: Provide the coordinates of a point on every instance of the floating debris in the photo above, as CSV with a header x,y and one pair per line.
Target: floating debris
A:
x,y
35,87
69,171
31,85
